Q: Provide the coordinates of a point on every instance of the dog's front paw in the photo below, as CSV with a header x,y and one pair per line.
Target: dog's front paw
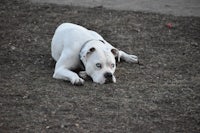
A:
x,y
83,74
131,59
77,81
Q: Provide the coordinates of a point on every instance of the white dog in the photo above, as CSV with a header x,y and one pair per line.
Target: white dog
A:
x,y
74,46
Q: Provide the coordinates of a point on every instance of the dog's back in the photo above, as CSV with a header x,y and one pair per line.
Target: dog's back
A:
x,y
70,35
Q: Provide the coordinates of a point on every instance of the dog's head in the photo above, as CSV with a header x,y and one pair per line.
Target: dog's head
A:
x,y
99,62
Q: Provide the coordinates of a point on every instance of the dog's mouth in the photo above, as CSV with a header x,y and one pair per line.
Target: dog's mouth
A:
x,y
109,80
105,81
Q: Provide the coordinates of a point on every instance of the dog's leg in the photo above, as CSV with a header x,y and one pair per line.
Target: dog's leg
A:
x,y
127,57
62,71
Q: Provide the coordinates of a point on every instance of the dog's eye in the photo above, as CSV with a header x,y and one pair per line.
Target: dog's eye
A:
x,y
98,65
112,65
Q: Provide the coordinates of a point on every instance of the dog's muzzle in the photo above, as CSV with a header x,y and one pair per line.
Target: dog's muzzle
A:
x,y
109,77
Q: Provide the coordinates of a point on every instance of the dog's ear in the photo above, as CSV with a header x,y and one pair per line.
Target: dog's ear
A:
x,y
91,50
116,54
85,54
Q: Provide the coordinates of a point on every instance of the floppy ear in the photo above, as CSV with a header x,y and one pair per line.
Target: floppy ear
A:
x,y
85,54
91,50
116,54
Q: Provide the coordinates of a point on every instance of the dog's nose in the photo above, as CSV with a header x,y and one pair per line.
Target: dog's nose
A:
x,y
108,75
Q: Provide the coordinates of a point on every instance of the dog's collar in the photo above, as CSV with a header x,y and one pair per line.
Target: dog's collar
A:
x,y
85,43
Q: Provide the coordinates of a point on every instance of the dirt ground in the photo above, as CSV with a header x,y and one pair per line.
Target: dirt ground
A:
x,y
161,96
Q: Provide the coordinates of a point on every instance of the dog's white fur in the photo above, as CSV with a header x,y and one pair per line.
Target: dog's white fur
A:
x,y
73,44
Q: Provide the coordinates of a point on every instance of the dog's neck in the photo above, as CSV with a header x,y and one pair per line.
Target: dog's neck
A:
x,y
90,41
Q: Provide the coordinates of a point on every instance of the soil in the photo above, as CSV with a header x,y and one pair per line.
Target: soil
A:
x,y
162,95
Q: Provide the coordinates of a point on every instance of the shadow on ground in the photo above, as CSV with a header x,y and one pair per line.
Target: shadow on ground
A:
x,y
163,95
